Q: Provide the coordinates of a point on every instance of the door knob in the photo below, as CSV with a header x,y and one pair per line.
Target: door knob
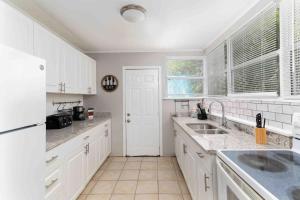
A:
x,y
128,120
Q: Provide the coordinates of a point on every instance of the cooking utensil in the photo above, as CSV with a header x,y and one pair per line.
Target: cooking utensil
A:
x,y
258,120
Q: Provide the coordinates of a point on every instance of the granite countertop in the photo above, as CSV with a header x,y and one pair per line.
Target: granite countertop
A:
x,y
213,142
56,137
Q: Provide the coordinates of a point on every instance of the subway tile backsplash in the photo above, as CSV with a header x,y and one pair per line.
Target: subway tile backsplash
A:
x,y
278,114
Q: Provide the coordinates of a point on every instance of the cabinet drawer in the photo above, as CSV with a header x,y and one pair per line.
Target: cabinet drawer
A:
x,y
54,159
53,185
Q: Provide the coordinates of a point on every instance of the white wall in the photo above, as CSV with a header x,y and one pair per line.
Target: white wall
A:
x,y
52,109
112,63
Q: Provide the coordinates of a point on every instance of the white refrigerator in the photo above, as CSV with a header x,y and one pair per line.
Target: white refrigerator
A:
x,y
22,125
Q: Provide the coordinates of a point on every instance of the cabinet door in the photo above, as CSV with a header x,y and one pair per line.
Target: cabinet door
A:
x,y
48,47
191,171
75,173
107,139
92,76
70,69
83,73
91,159
204,189
16,29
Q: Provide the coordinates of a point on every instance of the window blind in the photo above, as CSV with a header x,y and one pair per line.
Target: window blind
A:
x,y
217,71
254,54
295,59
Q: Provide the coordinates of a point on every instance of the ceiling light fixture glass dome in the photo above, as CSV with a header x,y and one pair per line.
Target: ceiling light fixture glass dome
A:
x,y
133,13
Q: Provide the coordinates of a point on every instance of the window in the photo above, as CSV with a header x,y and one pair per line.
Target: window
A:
x,y
185,77
255,55
216,62
294,52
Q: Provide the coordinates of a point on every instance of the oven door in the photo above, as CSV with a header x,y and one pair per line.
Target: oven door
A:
x,y
231,186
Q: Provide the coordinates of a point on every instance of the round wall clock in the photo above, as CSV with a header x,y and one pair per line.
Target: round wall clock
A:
x,y
109,83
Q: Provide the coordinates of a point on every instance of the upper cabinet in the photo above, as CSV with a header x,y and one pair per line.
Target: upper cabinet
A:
x,y
67,69
16,29
49,47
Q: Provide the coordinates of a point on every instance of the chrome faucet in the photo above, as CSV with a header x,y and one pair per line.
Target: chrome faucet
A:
x,y
224,121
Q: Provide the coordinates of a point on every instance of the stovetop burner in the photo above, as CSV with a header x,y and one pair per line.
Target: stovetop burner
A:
x,y
277,171
262,162
294,193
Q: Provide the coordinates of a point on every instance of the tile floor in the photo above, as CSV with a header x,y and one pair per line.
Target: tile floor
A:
x,y
137,178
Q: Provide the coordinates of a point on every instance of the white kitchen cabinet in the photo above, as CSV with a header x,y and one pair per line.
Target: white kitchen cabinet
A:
x,y
67,69
196,166
107,135
53,186
16,29
87,75
204,177
75,172
49,47
77,161
190,162
69,72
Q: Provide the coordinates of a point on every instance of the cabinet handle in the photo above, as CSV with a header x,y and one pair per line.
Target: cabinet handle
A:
x,y
106,133
184,148
60,86
86,137
205,182
201,155
64,87
51,183
86,149
51,159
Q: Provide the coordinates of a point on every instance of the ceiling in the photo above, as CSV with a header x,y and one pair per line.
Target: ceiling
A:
x,y
171,25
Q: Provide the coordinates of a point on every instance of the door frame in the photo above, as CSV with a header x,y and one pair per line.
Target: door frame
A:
x,y
159,104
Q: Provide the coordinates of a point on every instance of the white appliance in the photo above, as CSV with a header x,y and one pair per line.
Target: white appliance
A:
x,y
261,174
22,125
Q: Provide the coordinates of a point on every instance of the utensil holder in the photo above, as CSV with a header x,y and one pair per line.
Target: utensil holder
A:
x,y
261,135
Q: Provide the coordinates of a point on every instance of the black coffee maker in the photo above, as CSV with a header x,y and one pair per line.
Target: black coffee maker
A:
x,y
78,113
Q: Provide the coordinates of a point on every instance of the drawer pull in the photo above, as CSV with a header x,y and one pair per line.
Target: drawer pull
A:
x,y
51,159
201,155
51,183
184,149
86,137
206,187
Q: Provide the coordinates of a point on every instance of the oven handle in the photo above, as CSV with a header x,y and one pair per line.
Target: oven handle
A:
x,y
245,192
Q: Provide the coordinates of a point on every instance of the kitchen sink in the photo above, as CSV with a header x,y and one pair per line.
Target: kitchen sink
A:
x,y
203,128
211,131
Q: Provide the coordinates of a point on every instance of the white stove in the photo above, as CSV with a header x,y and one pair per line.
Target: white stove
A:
x,y
261,174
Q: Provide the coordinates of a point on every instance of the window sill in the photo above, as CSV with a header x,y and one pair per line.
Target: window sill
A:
x,y
182,98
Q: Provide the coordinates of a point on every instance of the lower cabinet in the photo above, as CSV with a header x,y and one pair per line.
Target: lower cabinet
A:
x,y
196,166
71,165
75,173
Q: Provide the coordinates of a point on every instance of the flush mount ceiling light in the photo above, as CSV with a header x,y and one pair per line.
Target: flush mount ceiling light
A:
x,y
133,13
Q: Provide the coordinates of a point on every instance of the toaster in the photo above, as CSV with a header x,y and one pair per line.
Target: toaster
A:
x,y
58,121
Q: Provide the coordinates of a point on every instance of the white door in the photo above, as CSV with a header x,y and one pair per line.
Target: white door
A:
x,y
142,111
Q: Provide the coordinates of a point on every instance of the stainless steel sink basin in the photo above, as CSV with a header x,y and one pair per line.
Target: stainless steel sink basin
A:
x,y
203,128
212,131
